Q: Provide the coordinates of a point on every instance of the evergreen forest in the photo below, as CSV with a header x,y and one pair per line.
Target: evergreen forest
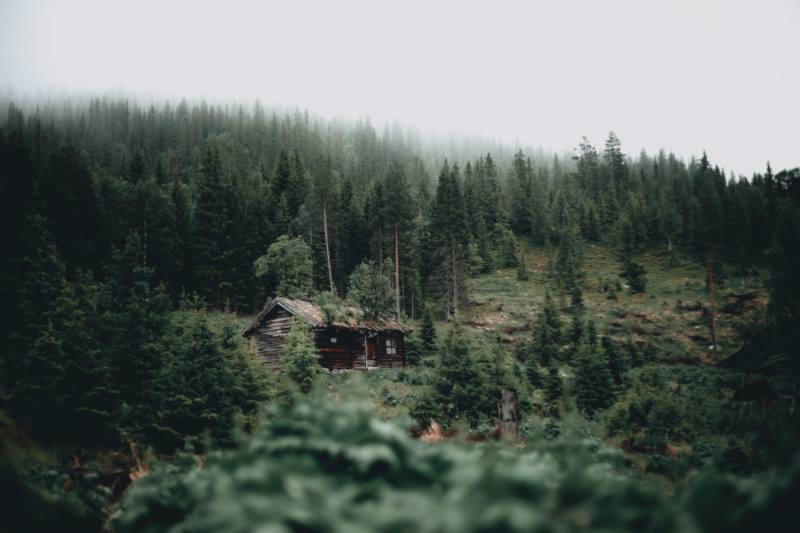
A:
x,y
641,311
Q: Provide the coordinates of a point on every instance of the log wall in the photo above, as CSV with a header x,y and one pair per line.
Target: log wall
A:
x,y
270,336
386,360
346,353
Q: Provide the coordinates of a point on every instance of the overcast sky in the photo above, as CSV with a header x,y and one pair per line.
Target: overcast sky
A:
x,y
723,76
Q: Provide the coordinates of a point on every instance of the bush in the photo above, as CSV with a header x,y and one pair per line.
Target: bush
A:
x,y
300,362
320,467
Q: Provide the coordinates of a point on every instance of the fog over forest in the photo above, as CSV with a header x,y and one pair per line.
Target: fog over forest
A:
x,y
422,266
718,76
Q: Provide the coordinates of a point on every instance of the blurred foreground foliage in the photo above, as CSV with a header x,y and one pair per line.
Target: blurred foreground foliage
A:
x,y
325,467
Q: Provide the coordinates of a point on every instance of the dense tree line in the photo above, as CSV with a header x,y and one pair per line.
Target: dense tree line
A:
x,y
113,213
208,188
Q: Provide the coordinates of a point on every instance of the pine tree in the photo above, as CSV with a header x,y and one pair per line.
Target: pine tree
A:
x,y
351,245
135,326
617,359
568,261
547,333
298,185
490,191
615,162
588,174
413,349
593,381
457,382
398,220
534,375
522,197
42,283
448,223
196,387
784,283
427,333
632,271
211,230
60,377
375,213
179,271
70,206
553,388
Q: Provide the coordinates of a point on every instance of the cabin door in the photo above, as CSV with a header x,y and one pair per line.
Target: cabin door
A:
x,y
372,352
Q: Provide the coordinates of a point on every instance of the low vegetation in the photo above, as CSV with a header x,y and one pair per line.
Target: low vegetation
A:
x,y
607,343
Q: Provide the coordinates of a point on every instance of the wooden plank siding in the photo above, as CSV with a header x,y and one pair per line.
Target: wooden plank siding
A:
x,y
387,360
268,338
345,354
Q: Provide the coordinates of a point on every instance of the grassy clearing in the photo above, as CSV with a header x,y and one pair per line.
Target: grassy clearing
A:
x,y
389,390
667,320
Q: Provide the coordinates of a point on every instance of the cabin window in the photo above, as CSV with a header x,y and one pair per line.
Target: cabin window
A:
x,y
333,340
391,346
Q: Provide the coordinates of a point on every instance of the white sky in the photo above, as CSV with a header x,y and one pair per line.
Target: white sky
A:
x,y
723,76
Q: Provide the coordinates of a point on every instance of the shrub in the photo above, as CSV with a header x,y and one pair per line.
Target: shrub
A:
x,y
300,362
324,467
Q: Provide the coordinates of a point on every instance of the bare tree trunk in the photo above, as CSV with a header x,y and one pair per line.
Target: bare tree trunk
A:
x,y
454,280
397,271
380,251
508,413
327,244
412,302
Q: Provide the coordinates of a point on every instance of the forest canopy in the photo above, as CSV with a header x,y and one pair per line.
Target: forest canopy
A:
x,y
140,238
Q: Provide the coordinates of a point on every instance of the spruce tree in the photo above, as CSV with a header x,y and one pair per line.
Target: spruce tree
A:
x,y
593,381
398,220
449,231
457,381
350,229
196,388
553,388
627,250
784,282
521,199
211,231
617,359
547,333
60,379
427,333
568,261
135,326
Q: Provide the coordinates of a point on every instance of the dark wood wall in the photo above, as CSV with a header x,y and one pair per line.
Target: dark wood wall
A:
x,y
270,336
346,353
386,360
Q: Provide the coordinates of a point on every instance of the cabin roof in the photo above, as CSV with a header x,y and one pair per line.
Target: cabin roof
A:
x,y
313,315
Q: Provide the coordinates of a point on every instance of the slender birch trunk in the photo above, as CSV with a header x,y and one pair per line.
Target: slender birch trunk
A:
x,y
397,271
327,244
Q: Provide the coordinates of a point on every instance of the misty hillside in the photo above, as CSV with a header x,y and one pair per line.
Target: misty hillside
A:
x,y
537,341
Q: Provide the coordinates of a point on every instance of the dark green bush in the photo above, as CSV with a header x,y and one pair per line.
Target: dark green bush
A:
x,y
321,467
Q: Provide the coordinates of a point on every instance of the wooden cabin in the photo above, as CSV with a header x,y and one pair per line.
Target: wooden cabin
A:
x,y
358,344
